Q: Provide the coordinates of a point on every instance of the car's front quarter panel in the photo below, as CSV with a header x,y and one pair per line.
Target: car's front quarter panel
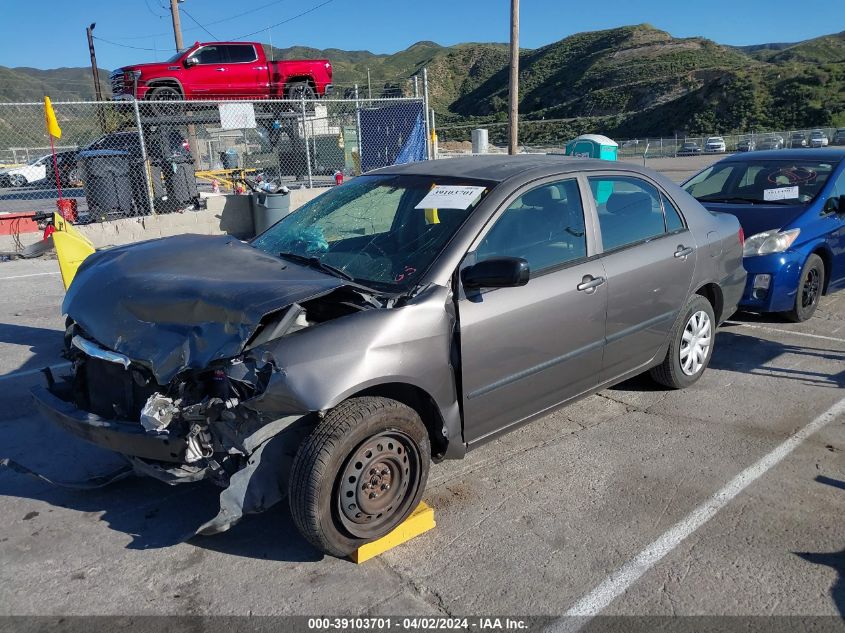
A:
x,y
320,366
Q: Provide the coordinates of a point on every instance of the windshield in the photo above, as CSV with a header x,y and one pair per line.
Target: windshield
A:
x,y
174,58
761,181
371,229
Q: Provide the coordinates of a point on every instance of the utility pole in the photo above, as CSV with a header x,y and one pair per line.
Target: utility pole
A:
x,y
369,86
513,113
177,24
94,70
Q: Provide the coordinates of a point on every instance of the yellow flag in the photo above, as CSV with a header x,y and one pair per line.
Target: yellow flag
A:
x,y
52,125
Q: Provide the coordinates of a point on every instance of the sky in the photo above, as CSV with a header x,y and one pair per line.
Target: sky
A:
x,y
51,33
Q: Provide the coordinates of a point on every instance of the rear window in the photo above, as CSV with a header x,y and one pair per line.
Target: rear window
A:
x,y
241,53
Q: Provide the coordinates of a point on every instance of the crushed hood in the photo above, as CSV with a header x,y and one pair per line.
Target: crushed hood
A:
x,y
183,302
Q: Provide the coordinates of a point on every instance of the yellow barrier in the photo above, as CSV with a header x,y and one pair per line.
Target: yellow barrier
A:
x,y
71,248
418,522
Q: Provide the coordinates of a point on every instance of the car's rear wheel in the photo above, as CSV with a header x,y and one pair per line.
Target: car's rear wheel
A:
x,y
810,289
359,474
691,346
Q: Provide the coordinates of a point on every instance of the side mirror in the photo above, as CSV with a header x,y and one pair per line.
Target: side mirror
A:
x,y
191,61
835,205
497,272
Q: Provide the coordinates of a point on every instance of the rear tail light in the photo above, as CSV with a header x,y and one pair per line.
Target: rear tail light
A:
x,y
741,237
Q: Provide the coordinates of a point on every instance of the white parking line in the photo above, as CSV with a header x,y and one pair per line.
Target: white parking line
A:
x,y
621,580
792,332
31,372
30,275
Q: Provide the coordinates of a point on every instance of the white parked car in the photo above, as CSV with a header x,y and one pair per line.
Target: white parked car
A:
x,y
715,145
31,172
818,139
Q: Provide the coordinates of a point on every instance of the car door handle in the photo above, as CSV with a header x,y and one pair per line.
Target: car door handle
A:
x,y
589,283
684,251
220,70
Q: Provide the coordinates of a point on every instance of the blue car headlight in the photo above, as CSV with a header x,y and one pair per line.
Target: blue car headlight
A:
x,y
769,242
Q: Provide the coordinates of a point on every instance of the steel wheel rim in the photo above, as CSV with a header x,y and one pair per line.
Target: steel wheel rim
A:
x,y
810,291
695,343
378,483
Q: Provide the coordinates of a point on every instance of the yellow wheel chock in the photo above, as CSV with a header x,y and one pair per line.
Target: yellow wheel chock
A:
x,y
418,522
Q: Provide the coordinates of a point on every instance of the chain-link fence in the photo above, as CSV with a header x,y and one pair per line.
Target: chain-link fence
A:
x,y
551,136
121,159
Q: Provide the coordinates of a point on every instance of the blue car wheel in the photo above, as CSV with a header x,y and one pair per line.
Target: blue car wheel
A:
x,y
810,289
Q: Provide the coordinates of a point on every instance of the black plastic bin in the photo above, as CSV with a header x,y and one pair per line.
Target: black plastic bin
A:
x,y
108,184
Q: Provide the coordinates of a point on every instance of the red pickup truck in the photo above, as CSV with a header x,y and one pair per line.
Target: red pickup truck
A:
x,y
223,70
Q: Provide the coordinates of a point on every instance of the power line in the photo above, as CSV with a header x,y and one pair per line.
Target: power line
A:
x,y
273,26
198,24
137,48
220,21
150,9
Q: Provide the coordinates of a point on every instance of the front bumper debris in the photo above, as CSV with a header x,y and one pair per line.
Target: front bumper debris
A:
x,y
127,438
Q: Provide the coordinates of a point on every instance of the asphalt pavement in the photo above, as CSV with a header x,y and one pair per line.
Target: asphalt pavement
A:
x,y
723,499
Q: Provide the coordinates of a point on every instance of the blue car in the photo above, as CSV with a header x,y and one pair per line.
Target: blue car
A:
x,y
791,205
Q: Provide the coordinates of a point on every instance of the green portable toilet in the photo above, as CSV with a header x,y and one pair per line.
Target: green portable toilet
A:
x,y
595,146
592,146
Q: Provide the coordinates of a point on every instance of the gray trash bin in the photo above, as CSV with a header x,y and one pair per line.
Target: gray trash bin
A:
x,y
268,208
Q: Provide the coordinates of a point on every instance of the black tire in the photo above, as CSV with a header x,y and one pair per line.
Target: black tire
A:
x,y
18,180
300,89
330,506
672,372
810,288
164,94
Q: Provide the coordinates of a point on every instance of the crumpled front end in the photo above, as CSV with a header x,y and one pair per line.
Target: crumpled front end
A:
x,y
201,425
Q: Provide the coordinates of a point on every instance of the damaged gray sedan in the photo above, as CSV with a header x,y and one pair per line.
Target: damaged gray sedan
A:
x,y
406,316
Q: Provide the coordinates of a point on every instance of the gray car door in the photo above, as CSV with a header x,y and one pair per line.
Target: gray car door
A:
x,y
526,349
649,257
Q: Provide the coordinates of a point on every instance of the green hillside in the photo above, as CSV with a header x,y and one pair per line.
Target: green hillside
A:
x,y
628,81
65,84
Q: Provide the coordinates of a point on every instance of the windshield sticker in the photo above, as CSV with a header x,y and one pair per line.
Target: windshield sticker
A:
x,y
792,176
781,193
451,197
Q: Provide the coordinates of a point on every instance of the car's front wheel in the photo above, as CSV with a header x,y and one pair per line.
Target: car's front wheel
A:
x,y
359,474
691,346
810,289
18,180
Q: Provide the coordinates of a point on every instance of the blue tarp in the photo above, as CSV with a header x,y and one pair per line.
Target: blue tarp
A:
x,y
392,134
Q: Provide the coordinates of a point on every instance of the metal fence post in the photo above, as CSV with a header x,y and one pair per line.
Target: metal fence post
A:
x,y
144,163
307,148
358,131
433,136
416,86
425,108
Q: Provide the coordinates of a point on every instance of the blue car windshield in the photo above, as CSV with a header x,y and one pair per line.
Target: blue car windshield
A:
x,y
761,181
381,231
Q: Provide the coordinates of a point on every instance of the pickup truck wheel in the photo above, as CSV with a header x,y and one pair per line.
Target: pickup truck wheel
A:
x,y
359,474
691,346
809,290
165,93
300,90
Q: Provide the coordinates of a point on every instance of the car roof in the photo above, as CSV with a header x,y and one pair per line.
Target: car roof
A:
x,y
831,154
501,167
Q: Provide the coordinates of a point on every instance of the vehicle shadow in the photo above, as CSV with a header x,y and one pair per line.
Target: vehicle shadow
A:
x,y
834,560
153,514
44,344
747,354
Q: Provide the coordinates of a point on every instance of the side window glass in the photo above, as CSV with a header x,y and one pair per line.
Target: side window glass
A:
x,y
673,218
210,55
240,53
629,210
838,186
544,226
